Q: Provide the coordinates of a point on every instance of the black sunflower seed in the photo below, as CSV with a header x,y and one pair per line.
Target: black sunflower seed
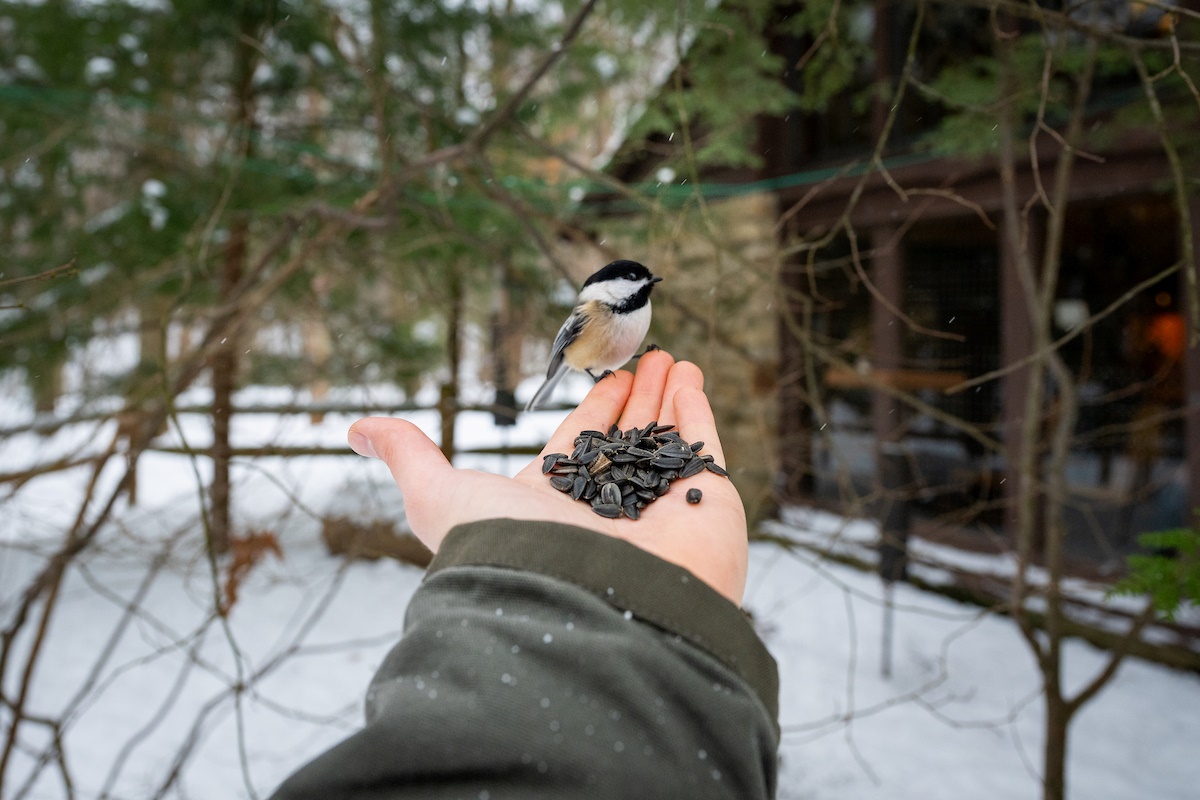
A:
x,y
693,496
673,450
622,472
607,510
578,486
693,467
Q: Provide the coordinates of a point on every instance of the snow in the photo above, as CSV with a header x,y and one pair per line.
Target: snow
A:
x,y
959,717
1088,600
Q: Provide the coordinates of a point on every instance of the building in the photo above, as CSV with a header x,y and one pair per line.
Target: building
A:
x,y
906,330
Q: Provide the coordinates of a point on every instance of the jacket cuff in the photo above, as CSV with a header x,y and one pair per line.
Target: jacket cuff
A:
x,y
655,591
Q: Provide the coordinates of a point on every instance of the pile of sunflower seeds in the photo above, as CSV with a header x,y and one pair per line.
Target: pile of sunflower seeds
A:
x,y
620,473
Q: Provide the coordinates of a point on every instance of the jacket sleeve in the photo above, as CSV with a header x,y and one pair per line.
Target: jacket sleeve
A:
x,y
541,660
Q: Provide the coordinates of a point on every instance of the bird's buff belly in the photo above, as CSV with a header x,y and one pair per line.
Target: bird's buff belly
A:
x,y
627,336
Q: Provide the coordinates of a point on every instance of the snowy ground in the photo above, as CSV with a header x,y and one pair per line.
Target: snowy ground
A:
x,y
153,704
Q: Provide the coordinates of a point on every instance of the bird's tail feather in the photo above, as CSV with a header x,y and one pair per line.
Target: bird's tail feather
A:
x,y
542,395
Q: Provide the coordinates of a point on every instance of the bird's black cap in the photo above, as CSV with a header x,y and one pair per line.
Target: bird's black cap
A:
x,y
630,270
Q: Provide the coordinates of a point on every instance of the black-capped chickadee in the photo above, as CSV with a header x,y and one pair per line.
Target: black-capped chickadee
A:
x,y
610,319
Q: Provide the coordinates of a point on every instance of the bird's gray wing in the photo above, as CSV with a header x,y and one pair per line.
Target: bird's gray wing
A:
x,y
568,333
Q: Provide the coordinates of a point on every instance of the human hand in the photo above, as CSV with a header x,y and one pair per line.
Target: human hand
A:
x,y
708,539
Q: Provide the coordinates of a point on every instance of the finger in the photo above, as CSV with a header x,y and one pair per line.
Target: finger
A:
x,y
646,396
413,458
684,374
598,411
694,418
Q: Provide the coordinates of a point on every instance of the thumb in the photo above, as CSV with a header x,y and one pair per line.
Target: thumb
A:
x,y
412,456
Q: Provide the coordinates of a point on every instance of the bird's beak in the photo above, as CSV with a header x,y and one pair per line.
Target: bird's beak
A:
x,y
655,280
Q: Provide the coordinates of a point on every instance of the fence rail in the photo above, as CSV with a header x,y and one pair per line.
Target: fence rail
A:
x,y
50,424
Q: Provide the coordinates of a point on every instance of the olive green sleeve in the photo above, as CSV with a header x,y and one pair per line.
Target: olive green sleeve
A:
x,y
544,660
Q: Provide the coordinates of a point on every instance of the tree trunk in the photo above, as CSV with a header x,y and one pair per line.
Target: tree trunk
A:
x,y
795,483
1054,760
46,379
224,365
448,403
224,362
505,348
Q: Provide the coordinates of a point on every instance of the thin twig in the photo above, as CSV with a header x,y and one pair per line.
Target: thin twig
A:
x,y
1179,184
44,275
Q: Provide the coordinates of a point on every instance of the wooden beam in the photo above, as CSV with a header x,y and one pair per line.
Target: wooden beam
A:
x,y
1191,396
968,188
906,380
887,328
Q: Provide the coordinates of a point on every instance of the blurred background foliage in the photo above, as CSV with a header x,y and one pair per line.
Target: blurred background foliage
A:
x,y
137,140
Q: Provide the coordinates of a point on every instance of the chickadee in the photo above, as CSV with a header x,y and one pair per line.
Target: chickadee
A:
x,y
610,319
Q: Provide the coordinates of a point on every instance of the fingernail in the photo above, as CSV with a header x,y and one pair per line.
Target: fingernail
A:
x,y
361,444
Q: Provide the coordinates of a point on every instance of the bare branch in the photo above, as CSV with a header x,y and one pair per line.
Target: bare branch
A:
x,y
502,115
1114,661
1187,245
44,275
1070,335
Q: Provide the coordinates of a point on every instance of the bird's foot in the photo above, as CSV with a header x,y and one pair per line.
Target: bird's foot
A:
x,y
600,377
649,347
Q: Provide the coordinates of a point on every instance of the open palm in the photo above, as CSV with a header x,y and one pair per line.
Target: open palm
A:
x,y
708,539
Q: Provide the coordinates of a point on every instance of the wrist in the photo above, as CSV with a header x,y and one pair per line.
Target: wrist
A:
x,y
645,587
